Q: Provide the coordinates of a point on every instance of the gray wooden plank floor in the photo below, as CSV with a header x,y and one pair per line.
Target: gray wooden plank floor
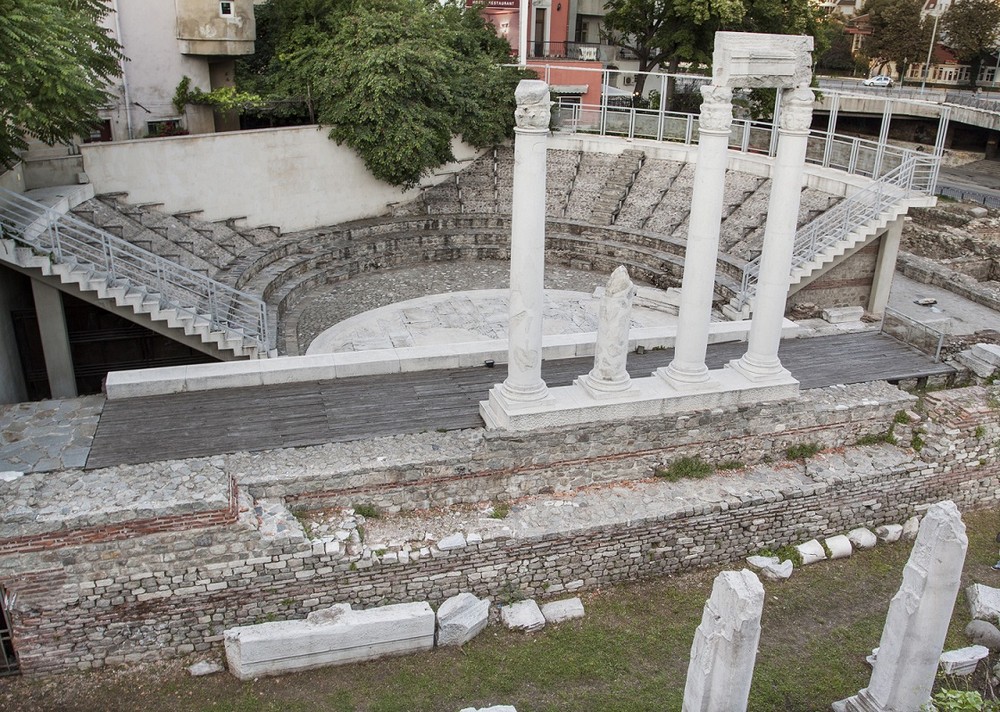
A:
x,y
212,422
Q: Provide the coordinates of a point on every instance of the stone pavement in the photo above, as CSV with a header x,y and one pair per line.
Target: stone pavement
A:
x,y
951,314
48,435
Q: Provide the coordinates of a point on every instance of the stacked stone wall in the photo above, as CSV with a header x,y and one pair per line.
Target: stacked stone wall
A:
x,y
168,593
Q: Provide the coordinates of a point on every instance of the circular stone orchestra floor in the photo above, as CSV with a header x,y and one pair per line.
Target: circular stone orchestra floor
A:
x,y
447,314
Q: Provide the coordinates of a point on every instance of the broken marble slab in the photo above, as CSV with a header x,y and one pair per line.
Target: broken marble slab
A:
x,y
205,667
332,636
564,610
839,547
889,533
461,618
862,538
910,528
452,541
778,572
984,602
523,615
963,661
811,552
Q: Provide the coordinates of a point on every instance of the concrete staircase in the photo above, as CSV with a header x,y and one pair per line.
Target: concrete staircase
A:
x,y
617,187
130,280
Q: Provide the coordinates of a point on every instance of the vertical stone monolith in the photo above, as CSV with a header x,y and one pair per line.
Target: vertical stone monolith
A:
x,y
725,645
609,374
917,622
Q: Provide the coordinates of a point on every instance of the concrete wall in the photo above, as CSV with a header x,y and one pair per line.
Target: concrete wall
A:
x,y
203,30
295,178
13,179
49,172
15,293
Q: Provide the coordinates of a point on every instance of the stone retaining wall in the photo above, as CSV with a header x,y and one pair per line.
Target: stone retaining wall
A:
x,y
168,593
928,271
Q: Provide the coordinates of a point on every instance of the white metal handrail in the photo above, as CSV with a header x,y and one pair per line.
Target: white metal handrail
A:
x,y
68,240
858,210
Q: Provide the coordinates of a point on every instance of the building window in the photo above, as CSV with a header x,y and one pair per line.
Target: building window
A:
x,y
226,8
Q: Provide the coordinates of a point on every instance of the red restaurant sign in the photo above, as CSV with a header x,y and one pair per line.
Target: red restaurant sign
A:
x,y
495,4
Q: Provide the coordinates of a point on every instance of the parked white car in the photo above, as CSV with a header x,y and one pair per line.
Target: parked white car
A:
x,y
881,80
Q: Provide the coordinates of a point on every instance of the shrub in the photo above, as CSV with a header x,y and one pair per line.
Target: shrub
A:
x,y
802,451
368,511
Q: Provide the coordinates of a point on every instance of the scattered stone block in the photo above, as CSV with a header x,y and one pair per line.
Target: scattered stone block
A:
x,y
333,636
981,632
984,602
205,667
523,615
811,552
461,618
963,661
910,528
889,533
989,353
565,610
453,541
778,572
925,302
862,538
757,563
843,315
978,212
839,547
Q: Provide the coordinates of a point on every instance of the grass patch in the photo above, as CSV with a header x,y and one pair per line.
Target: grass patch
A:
x,y
730,465
917,441
901,418
886,437
693,468
802,451
500,510
368,511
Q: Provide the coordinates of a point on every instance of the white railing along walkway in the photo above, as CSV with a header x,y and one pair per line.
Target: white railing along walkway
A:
x,y
857,211
68,240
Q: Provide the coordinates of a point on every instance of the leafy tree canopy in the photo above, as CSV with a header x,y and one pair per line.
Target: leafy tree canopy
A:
x,y
55,64
971,29
898,33
395,79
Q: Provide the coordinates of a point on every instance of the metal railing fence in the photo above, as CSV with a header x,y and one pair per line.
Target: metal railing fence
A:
x,y
857,210
67,240
921,336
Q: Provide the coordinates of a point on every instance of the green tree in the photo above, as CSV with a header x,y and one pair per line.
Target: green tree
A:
x,y
665,33
55,64
899,35
395,80
971,29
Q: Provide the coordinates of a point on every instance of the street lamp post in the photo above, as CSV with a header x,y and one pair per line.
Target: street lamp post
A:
x,y
930,50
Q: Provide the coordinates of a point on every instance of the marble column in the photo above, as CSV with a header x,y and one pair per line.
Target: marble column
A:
x,y
725,645
527,245
609,375
918,617
688,369
760,362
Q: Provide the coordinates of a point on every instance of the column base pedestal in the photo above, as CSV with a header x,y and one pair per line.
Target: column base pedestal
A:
x,y
759,373
647,398
687,381
599,390
861,702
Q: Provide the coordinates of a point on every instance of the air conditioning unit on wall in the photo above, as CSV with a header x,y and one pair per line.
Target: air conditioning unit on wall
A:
x,y
628,79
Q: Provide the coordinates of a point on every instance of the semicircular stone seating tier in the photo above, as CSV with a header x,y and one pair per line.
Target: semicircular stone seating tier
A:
x,y
603,210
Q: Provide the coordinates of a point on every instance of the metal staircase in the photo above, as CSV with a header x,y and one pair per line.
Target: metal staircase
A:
x,y
222,321
841,230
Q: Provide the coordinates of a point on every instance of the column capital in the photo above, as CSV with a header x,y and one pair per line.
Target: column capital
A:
x,y
716,108
533,105
796,109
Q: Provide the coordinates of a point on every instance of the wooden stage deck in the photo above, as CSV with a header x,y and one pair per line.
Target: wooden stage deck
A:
x,y
212,422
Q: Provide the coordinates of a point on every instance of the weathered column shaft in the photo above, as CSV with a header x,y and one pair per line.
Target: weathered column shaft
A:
x,y
725,645
760,361
701,251
918,617
527,244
